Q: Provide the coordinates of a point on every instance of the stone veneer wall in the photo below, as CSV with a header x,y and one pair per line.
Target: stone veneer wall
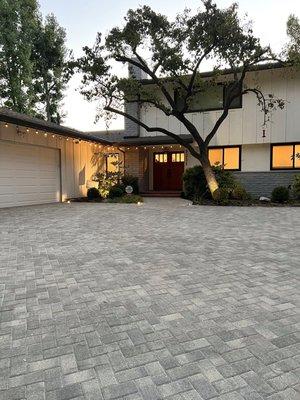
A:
x,y
262,183
136,163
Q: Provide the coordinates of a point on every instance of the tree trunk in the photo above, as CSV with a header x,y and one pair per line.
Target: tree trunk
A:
x,y
210,176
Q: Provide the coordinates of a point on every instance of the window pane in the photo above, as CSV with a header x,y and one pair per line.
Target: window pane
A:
x,y
177,157
297,156
112,159
215,156
237,101
282,156
161,158
210,98
232,158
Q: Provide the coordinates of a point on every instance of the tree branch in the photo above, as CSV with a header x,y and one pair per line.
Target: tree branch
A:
x,y
177,138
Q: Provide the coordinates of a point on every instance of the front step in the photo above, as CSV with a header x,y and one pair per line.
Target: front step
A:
x,y
169,193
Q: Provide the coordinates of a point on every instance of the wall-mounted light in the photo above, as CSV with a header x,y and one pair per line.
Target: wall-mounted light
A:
x,y
45,134
6,125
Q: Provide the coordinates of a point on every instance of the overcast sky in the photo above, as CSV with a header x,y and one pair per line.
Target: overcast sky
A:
x,y
82,19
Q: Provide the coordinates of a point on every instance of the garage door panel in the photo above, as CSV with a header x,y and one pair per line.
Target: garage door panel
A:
x,y
28,174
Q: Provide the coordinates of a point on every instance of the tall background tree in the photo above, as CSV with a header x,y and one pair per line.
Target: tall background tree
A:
x,y
50,65
292,50
172,53
18,22
34,60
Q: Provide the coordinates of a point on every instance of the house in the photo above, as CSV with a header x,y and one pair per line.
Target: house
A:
x,y
261,158
42,162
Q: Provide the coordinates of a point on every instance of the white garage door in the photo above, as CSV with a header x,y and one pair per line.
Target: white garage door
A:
x,y
28,174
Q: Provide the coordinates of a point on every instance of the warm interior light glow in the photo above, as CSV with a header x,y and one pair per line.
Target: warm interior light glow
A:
x,y
177,157
228,157
215,156
161,157
282,157
111,161
231,158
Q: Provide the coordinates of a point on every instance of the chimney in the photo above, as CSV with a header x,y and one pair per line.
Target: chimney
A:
x,y
131,128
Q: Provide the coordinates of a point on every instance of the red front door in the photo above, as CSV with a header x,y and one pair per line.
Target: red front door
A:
x,y
168,169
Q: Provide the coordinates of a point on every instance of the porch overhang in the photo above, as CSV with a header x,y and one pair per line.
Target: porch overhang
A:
x,y
153,140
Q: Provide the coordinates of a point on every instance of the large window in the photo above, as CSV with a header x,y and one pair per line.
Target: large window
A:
x,y
285,156
211,98
112,162
227,157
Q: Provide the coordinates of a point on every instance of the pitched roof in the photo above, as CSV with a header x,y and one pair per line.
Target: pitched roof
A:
x,y
12,117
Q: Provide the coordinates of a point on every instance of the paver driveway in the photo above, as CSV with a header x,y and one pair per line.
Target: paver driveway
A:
x,y
155,302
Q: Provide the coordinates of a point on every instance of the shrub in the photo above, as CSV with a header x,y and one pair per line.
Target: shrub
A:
x,y
116,191
195,185
224,178
239,193
280,194
222,196
130,180
93,193
296,187
194,182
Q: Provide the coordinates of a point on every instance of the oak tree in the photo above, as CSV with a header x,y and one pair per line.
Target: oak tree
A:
x,y
171,53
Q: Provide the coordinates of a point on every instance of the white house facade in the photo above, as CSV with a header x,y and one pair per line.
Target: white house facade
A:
x,y
261,157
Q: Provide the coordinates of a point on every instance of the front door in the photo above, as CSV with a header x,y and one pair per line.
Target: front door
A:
x,y
168,169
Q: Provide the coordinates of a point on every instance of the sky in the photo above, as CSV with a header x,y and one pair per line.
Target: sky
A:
x,y
82,19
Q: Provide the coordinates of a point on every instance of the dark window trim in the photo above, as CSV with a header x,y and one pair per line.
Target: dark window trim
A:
x,y
294,144
223,153
213,108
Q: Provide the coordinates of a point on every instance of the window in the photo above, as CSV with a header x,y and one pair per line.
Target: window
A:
x,y
228,157
161,157
112,162
284,156
211,98
177,157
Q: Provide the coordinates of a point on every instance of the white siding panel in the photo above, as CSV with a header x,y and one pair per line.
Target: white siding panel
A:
x,y
222,136
209,120
235,127
292,109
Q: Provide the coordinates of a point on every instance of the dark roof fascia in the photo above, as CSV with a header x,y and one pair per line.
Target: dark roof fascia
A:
x,y
210,74
15,118
153,140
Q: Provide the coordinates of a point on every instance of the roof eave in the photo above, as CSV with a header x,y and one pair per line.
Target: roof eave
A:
x,y
53,128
